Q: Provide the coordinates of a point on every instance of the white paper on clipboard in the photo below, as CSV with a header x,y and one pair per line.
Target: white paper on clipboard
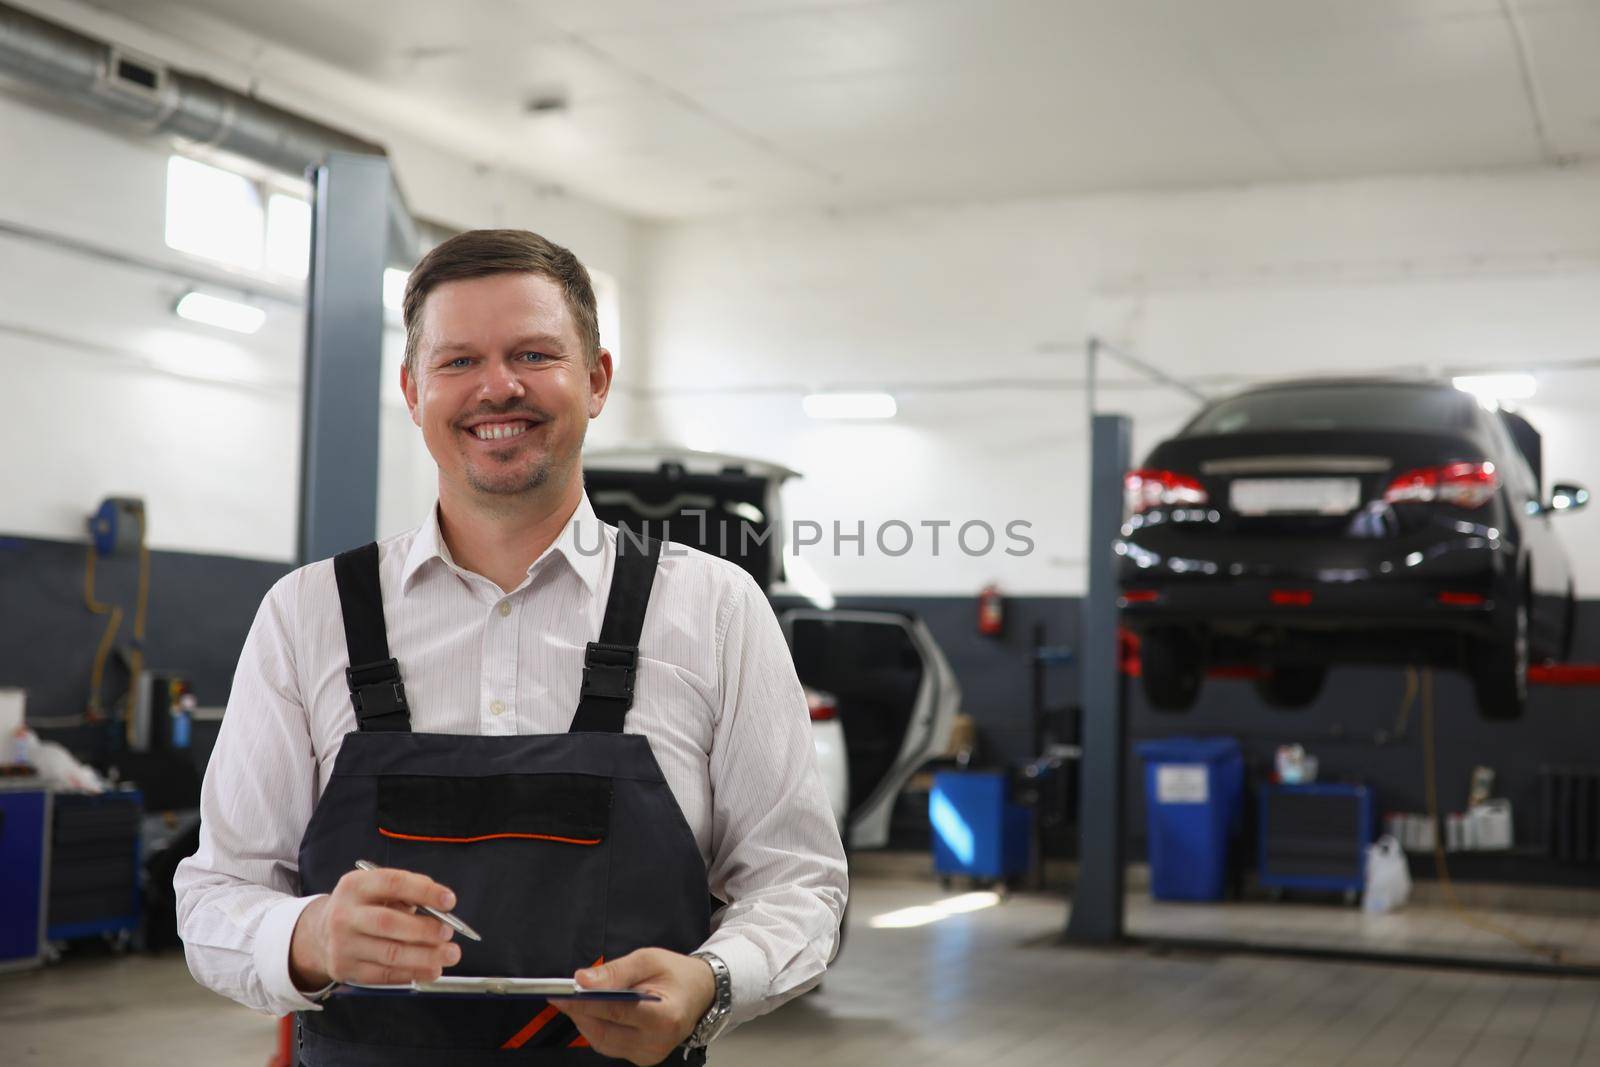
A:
x,y
556,988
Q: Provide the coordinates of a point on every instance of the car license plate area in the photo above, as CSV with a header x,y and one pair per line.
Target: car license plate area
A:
x,y
1294,496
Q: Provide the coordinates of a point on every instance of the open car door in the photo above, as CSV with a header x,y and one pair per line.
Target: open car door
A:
x,y
897,700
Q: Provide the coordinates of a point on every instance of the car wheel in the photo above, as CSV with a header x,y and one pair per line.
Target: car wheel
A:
x,y
1500,674
1291,687
1170,668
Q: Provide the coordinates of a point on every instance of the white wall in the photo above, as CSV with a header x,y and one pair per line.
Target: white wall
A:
x,y
994,300
104,391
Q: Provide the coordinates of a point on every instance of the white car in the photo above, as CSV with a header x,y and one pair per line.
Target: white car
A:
x,y
827,733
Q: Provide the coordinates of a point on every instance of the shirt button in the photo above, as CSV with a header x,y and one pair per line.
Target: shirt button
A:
x,y
505,608
497,708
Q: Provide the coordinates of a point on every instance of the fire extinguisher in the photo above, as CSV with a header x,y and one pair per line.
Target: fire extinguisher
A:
x,y
991,611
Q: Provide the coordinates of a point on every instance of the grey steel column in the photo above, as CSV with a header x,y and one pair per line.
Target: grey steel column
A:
x,y
1096,915
344,351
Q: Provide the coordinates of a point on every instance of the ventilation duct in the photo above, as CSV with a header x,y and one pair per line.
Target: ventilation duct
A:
x,y
80,70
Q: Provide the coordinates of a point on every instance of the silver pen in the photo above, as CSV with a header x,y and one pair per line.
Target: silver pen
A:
x,y
443,916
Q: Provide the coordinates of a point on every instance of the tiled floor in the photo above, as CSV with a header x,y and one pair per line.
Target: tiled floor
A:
x,y
1433,931
986,987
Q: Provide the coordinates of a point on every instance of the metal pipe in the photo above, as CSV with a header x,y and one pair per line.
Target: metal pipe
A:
x,y
111,80
1097,346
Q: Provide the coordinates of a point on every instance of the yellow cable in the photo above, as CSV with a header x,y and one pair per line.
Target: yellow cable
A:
x,y
136,657
113,624
1406,704
1429,771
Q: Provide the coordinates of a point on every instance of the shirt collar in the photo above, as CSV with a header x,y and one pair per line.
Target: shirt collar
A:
x,y
581,543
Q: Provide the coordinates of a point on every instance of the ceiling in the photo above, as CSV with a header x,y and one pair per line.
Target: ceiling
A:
x,y
702,107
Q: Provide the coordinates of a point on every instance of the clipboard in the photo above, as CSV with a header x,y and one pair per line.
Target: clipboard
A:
x,y
495,988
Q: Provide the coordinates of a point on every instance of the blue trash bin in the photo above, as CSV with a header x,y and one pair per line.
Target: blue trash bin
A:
x,y
1194,796
977,830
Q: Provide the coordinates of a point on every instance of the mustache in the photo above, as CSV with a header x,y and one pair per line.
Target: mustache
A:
x,y
503,411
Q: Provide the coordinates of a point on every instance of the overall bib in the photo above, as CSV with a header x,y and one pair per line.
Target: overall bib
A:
x,y
563,849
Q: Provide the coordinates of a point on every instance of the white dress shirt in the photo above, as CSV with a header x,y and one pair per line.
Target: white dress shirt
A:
x,y
716,695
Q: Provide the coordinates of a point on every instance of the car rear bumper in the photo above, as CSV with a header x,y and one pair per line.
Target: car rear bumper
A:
x,y
1310,606
1365,590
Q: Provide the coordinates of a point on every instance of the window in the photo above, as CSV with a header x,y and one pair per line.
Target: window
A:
x,y
1393,406
230,218
214,213
288,236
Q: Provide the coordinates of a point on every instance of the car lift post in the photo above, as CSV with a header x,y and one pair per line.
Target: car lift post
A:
x,y
1095,917
350,228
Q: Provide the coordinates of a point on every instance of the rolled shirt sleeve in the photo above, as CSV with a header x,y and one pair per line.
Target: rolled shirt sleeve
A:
x,y
777,858
237,896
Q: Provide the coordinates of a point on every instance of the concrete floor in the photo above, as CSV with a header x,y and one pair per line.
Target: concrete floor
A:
x,y
984,987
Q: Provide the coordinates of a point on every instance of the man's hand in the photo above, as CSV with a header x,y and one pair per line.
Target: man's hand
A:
x,y
643,1032
368,931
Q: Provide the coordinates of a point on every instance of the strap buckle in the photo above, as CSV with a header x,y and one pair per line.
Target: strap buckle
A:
x,y
608,671
376,689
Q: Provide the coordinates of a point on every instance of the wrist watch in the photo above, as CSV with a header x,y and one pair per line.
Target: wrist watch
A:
x,y
715,1020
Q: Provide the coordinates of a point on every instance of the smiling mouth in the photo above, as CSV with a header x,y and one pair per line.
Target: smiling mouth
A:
x,y
500,431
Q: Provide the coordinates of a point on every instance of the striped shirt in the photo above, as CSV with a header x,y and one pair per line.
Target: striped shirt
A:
x,y
716,695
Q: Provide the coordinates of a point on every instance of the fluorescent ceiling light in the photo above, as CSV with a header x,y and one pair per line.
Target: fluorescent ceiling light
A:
x,y
1492,389
850,406
394,288
225,314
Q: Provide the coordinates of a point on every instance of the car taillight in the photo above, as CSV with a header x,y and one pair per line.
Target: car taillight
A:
x,y
823,707
1464,485
1147,488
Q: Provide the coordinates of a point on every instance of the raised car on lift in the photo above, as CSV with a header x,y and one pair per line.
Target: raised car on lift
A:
x,y
1310,523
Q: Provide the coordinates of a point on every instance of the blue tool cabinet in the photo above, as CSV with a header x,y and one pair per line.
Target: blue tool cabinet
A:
x,y
1316,836
95,859
24,871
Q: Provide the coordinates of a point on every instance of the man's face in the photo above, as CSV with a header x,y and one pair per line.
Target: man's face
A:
x,y
502,390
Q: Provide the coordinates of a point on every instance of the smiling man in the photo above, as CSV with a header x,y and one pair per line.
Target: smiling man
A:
x,y
594,751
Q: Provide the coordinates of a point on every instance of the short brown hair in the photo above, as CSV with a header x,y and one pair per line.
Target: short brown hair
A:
x,y
480,253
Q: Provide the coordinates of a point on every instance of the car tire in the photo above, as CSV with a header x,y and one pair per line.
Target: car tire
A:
x,y
1170,669
1500,671
1292,687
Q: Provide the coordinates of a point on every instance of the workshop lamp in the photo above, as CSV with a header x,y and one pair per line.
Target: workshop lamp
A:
x,y
849,406
224,314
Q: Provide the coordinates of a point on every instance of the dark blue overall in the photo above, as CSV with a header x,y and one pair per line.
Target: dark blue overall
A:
x,y
562,849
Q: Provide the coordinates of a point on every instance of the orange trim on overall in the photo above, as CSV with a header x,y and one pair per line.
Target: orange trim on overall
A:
x,y
578,1042
489,837
535,1024
540,1021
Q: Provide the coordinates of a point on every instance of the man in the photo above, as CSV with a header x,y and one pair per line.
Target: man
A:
x,y
412,704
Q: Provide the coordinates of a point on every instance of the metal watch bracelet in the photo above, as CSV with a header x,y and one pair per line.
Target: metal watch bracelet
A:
x,y
715,1020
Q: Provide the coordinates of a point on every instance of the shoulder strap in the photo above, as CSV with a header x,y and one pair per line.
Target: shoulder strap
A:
x,y
376,690
610,663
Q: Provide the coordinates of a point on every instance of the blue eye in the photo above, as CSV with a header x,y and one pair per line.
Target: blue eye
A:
x,y
533,357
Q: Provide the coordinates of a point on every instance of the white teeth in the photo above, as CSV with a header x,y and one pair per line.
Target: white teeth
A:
x,y
499,430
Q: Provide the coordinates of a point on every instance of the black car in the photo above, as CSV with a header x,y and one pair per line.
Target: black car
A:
x,y
1309,523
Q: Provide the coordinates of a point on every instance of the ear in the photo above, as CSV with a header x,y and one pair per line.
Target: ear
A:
x,y
599,384
408,386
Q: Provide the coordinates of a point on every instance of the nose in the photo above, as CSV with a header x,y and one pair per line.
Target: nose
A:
x,y
500,383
